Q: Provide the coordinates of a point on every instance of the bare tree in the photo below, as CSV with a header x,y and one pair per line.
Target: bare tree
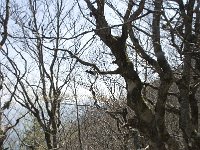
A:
x,y
137,42
37,67
169,27
4,18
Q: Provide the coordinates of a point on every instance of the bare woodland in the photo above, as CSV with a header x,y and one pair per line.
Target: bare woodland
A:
x,y
100,74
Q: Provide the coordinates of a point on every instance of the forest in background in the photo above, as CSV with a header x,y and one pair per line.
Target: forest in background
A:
x,y
100,74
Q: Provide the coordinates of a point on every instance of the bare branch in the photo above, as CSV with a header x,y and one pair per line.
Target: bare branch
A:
x,y
5,24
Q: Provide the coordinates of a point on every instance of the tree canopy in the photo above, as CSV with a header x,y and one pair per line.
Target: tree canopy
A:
x,y
141,54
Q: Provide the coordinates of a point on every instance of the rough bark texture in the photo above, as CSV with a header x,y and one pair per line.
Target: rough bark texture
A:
x,y
152,123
